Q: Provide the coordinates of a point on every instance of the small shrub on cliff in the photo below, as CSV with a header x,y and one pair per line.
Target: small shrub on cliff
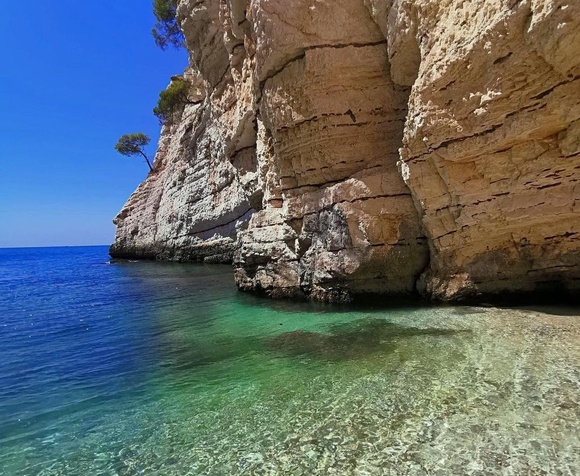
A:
x,y
134,144
172,99
166,31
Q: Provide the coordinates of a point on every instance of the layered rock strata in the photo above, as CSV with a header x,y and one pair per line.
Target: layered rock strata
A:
x,y
372,146
204,178
488,147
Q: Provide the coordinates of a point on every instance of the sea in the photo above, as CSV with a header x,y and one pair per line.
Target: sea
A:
x,y
146,368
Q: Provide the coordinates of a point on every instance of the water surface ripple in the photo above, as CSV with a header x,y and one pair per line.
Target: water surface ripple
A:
x,y
164,369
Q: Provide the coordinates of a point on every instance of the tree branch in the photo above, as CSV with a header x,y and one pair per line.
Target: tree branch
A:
x,y
146,159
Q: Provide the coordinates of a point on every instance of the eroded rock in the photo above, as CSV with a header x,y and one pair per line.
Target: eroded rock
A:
x,y
342,148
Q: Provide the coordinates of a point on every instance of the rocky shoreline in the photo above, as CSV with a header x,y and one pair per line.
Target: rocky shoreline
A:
x,y
371,147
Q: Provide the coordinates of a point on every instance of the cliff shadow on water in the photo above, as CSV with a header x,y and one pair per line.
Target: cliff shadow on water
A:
x,y
252,328
351,340
198,321
341,342
202,326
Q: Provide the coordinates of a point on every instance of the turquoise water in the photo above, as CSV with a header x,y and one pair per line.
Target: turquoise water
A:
x,y
165,369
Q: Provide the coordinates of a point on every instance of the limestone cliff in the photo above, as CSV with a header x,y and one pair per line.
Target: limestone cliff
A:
x,y
344,147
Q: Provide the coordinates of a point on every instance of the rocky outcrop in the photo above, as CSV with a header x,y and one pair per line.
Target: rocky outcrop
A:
x,y
204,178
487,150
372,147
337,217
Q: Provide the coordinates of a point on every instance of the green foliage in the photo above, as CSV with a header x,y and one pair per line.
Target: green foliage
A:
x,y
166,31
172,100
133,144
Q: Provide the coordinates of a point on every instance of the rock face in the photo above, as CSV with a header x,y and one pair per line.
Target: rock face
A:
x,y
347,147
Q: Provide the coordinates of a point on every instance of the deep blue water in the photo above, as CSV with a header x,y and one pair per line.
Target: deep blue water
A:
x,y
80,339
68,335
149,368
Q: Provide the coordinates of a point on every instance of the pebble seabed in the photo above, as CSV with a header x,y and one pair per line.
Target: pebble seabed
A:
x,y
439,391
498,393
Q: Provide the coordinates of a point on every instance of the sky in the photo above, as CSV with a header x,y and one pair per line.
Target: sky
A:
x,y
74,77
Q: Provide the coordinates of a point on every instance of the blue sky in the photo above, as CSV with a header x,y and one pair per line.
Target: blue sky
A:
x,y
75,76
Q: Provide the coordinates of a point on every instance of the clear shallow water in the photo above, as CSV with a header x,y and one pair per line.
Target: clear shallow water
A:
x,y
150,368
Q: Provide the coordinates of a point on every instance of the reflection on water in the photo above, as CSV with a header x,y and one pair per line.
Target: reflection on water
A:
x,y
149,368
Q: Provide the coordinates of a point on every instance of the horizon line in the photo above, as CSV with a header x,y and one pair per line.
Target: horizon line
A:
x,y
50,246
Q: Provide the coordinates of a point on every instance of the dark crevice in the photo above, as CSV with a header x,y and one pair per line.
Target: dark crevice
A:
x,y
302,54
502,59
280,69
545,93
221,225
237,152
543,187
